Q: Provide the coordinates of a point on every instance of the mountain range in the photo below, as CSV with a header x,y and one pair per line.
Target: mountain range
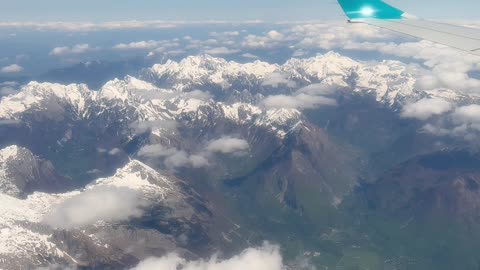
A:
x,y
207,155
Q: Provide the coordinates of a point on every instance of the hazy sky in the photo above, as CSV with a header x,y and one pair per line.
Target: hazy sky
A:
x,y
268,10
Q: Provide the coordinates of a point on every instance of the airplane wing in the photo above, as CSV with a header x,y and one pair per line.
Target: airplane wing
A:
x,y
383,15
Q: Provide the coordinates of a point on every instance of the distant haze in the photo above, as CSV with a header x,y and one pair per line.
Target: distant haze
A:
x,y
278,10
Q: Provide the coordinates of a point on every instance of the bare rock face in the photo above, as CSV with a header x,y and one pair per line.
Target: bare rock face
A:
x,y
172,217
22,173
443,185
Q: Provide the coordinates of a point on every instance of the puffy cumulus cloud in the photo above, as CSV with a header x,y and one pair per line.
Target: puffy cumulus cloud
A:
x,y
332,35
12,69
445,67
180,158
308,97
267,257
468,115
228,145
155,151
271,39
442,67
141,127
221,51
110,204
317,89
172,157
76,49
115,151
198,95
426,108
297,101
463,123
276,79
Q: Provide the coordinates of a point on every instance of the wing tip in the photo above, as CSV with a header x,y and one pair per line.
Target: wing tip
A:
x,y
365,9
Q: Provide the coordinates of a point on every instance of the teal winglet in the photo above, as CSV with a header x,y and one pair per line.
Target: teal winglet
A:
x,y
363,9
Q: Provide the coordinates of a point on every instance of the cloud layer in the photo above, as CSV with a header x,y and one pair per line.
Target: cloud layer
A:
x,y
266,257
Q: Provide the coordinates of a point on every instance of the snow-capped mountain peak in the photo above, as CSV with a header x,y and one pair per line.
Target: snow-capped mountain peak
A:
x,y
46,97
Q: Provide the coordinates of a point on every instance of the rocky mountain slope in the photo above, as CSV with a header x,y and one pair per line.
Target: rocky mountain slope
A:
x,y
40,229
22,173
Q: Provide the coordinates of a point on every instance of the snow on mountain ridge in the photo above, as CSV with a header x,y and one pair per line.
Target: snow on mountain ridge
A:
x,y
388,81
39,96
207,69
24,237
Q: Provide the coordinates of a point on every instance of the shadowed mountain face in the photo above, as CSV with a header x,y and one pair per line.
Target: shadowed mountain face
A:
x,y
427,209
305,172
443,185
22,174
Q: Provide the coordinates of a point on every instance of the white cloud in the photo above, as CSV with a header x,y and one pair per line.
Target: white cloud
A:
x,y
426,108
331,35
115,151
463,122
155,151
317,89
173,157
228,145
276,79
179,158
266,257
227,34
12,69
250,56
298,101
139,45
199,95
141,127
108,204
469,115
221,51
77,49
271,39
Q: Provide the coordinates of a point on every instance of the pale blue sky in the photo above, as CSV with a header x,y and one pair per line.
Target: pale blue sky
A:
x,y
268,10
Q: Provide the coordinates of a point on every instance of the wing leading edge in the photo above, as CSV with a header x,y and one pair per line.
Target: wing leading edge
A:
x,y
381,14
